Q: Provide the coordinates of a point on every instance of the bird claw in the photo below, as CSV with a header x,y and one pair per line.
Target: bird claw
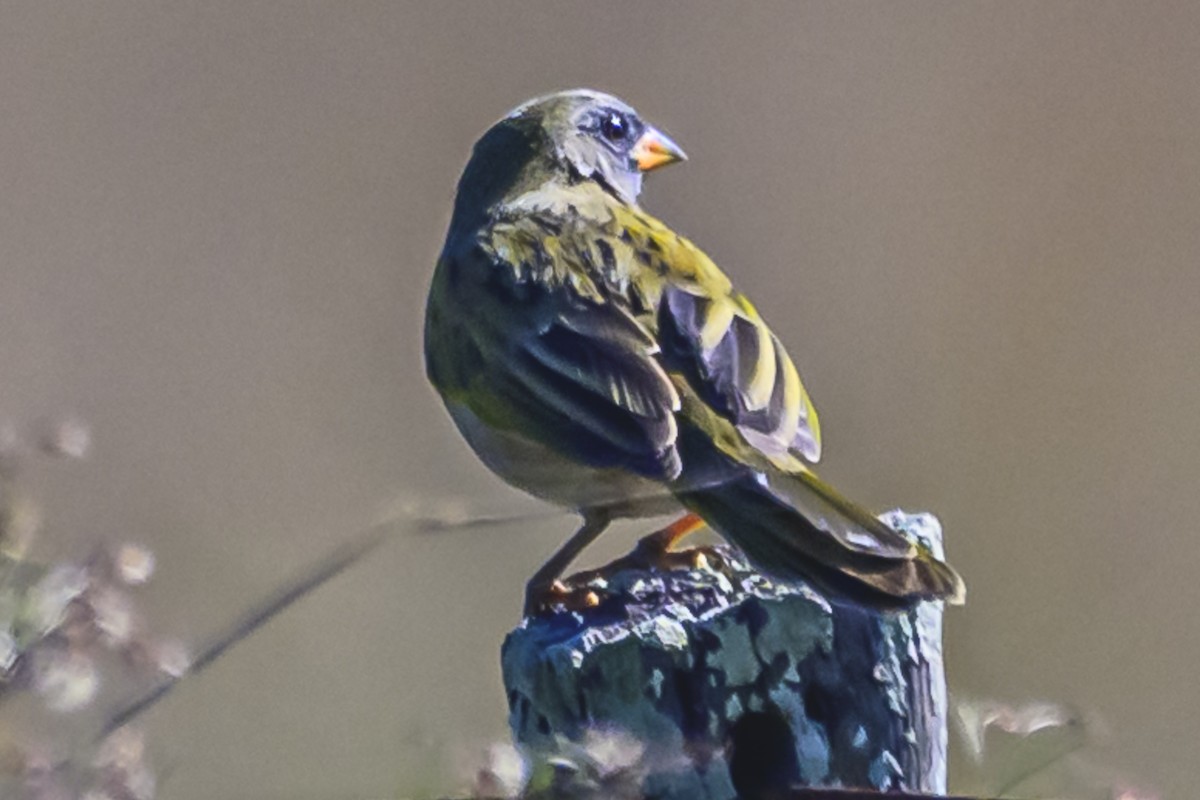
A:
x,y
559,596
585,590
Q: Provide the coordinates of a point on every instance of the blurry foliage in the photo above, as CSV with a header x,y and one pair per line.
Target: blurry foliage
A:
x,y
606,764
69,627
1034,749
1031,750
64,627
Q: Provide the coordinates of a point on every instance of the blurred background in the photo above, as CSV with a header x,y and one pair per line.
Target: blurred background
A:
x,y
974,225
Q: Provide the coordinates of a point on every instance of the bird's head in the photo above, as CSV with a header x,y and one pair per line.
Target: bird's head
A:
x,y
596,136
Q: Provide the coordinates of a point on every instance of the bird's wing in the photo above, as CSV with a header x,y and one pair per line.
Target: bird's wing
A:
x,y
581,373
713,337
741,391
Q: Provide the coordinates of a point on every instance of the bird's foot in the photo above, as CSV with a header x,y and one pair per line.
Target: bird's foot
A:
x,y
654,552
573,594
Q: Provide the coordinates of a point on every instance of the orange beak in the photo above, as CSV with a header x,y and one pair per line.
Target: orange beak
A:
x,y
655,149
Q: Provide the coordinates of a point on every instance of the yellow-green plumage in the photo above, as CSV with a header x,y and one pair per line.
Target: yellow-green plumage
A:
x,y
592,356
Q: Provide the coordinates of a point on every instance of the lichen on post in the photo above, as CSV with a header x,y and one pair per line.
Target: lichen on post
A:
x,y
735,684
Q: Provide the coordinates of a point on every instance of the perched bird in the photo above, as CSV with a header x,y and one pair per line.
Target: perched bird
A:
x,y
597,359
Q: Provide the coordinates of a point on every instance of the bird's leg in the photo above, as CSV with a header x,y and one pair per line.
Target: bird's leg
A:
x,y
656,550
652,551
654,545
544,581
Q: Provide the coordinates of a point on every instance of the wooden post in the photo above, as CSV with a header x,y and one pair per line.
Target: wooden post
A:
x,y
731,684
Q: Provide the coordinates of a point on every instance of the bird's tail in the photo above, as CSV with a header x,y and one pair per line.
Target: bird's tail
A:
x,y
794,525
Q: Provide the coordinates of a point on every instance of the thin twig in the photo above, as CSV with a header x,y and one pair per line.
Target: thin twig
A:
x,y
316,575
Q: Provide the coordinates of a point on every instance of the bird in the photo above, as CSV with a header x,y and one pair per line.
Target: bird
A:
x,y
595,358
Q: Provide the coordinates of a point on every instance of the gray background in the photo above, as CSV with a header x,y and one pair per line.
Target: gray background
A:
x,y
975,225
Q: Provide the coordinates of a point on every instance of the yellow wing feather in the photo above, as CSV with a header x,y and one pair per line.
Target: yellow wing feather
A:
x,y
772,407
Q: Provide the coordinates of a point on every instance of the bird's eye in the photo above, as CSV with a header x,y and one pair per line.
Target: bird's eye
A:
x,y
614,127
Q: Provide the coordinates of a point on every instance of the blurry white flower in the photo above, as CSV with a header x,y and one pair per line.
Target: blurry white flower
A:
x,y
612,751
48,600
171,658
134,564
123,748
977,717
8,652
1123,792
69,437
20,520
113,615
67,681
139,783
504,773
117,771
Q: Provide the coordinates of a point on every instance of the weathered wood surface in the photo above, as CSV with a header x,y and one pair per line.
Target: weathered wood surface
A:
x,y
810,793
729,679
